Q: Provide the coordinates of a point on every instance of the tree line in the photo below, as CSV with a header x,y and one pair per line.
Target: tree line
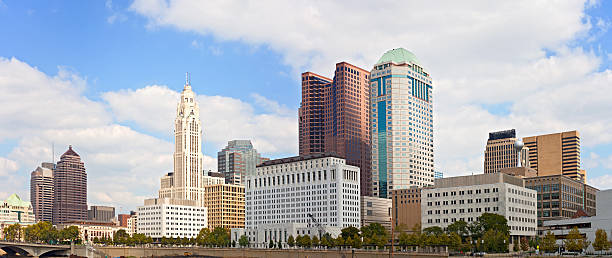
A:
x,y
42,232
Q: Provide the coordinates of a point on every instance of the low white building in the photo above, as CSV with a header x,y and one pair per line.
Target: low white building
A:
x,y
163,217
90,230
132,224
467,197
305,195
586,225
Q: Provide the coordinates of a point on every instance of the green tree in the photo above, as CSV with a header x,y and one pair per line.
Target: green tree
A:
x,y
549,243
357,242
516,247
454,241
404,239
271,244
574,241
348,241
339,241
243,241
325,240
315,241
460,227
69,234
12,232
203,238
436,231
601,241
495,242
220,237
349,231
524,244
290,241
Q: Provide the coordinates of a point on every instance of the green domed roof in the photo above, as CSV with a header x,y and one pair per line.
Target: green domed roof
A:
x,y
398,56
14,200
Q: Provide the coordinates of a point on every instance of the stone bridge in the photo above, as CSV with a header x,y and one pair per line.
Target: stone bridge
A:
x,y
35,250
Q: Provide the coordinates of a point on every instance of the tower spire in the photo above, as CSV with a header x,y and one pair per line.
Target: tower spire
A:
x,y
187,78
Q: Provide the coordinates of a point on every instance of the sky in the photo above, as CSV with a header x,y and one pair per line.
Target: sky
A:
x,y
105,78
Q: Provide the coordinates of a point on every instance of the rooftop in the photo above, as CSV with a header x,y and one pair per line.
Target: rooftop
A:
x,y
15,200
398,56
299,158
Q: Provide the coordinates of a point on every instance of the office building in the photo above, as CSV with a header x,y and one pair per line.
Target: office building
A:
x,y
335,117
501,153
162,217
556,154
467,197
402,123
70,189
311,194
41,191
561,197
123,219
225,204
132,223
101,213
311,113
376,210
585,224
238,159
13,210
406,210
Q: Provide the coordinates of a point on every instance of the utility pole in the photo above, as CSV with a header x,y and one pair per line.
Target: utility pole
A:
x,y
392,238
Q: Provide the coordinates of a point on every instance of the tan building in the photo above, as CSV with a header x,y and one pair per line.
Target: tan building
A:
x,y
556,154
406,207
500,152
560,197
225,203
376,210
41,191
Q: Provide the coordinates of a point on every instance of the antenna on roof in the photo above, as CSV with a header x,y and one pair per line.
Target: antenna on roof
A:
x,y
187,78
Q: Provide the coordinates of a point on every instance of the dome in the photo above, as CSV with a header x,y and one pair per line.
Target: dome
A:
x,y
398,56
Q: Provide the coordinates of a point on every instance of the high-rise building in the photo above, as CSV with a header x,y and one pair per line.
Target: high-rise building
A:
x,y
238,159
466,198
561,197
556,154
41,191
334,117
311,113
500,152
225,204
101,213
70,189
402,123
305,195
406,210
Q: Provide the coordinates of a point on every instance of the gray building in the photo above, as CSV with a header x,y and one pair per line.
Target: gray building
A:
x,y
101,213
41,191
467,197
237,160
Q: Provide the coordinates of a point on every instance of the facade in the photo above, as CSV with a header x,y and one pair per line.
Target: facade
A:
x,y
586,225
162,217
556,154
101,213
70,189
225,204
376,210
13,210
315,194
123,219
406,211
311,113
402,123
132,224
41,191
238,159
336,117
500,152
561,197
89,230
467,197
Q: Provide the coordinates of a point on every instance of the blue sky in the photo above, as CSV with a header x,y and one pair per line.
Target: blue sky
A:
x,y
121,64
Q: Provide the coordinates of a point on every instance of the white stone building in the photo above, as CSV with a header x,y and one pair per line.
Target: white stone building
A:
x,y
467,197
165,217
312,194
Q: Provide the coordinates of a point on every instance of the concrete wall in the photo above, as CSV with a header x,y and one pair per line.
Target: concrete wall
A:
x,y
240,252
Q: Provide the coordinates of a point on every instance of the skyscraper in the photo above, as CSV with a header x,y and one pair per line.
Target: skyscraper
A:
x,y
238,159
41,192
402,123
311,113
334,117
70,188
556,154
500,152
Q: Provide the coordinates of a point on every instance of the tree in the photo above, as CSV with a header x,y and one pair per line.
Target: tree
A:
x,y
325,241
524,244
357,242
271,244
460,227
495,241
204,238
315,241
495,222
233,243
601,241
279,244
305,241
404,239
574,241
436,231
349,232
290,241
220,237
454,241
339,241
516,247
348,241
549,243
12,232
243,241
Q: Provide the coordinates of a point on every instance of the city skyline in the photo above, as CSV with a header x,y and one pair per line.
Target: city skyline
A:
x,y
114,105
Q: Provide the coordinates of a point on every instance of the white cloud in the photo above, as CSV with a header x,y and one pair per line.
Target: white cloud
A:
x,y
602,182
7,166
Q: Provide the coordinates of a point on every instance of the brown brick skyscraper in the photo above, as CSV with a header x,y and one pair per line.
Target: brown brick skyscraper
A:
x,y
334,117
70,188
